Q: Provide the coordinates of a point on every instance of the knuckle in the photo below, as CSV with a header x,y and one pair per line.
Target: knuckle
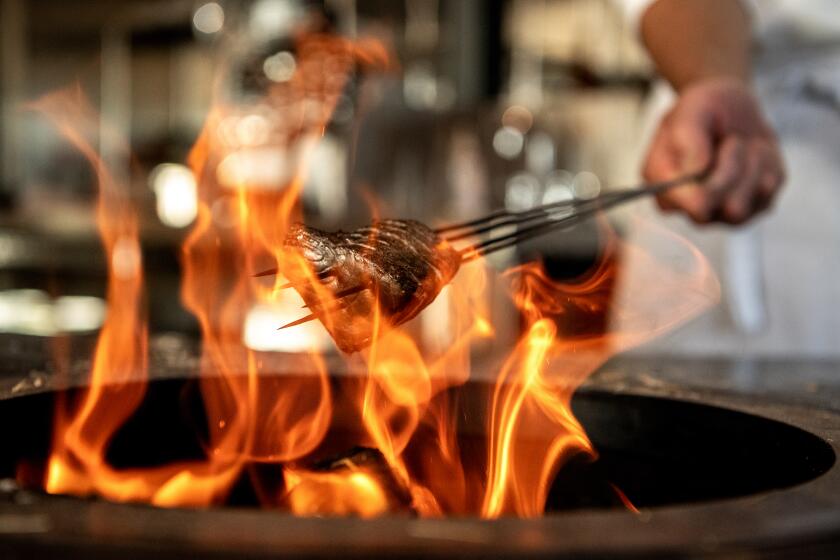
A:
x,y
665,202
735,211
762,208
726,178
700,219
665,207
734,219
770,183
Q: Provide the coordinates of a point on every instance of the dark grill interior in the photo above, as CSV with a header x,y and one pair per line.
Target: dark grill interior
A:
x,y
657,451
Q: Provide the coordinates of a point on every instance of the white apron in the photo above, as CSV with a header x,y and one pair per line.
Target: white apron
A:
x,y
780,275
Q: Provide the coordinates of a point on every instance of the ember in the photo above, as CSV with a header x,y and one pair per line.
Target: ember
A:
x,y
358,483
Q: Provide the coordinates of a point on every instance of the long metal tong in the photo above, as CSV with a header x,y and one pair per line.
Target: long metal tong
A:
x,y
547,218
528,224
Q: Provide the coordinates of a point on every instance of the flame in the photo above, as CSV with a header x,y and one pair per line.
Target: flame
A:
x,y
117,381
566,340
352,493
402,405
121,349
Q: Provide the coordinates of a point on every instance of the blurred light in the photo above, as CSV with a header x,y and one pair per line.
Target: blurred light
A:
x,y
223,211
344,110
280,67
209,18
269,19
79,313
176,194
32,312
26,312
522,192
446,95
263,321
256,168
11,249
420,87
126,259
518,117
586,185
436,322
508,142
326,182
539,153
226,130
558,188
252,130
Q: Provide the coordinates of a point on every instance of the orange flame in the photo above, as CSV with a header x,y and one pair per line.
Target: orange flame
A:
x,y
351,493
117,383
121,350
557,354
401,406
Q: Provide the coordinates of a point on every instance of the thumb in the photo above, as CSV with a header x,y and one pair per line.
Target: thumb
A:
x,y
693,147
692,152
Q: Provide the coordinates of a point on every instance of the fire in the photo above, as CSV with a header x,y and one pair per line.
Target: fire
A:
x,y
354,493
557,354
400,410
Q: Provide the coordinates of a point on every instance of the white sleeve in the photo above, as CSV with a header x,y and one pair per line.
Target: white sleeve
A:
x,y
635,9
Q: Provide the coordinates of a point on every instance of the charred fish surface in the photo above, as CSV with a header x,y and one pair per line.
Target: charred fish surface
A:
x,y
401,265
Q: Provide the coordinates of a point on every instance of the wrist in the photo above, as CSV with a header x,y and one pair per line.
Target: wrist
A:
x,y
719,93
698,40
717,80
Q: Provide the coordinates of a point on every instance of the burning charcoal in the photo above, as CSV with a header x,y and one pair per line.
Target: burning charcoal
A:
x,y
372,462
358,483
401,265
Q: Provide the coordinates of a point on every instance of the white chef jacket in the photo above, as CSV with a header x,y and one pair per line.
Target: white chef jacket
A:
x,y
815,14
780,274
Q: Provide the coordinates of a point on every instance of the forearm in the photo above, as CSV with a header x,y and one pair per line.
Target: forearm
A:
x,y
691,40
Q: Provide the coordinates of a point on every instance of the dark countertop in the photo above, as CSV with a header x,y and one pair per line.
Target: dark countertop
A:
x,y
798,381
28,363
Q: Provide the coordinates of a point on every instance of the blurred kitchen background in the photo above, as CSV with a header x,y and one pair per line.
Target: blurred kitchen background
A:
x,y
493,103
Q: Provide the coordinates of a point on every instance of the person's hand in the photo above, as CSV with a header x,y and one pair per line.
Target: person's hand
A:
x,y
717,124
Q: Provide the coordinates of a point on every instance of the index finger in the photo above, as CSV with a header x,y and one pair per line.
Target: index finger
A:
x,y
663,164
